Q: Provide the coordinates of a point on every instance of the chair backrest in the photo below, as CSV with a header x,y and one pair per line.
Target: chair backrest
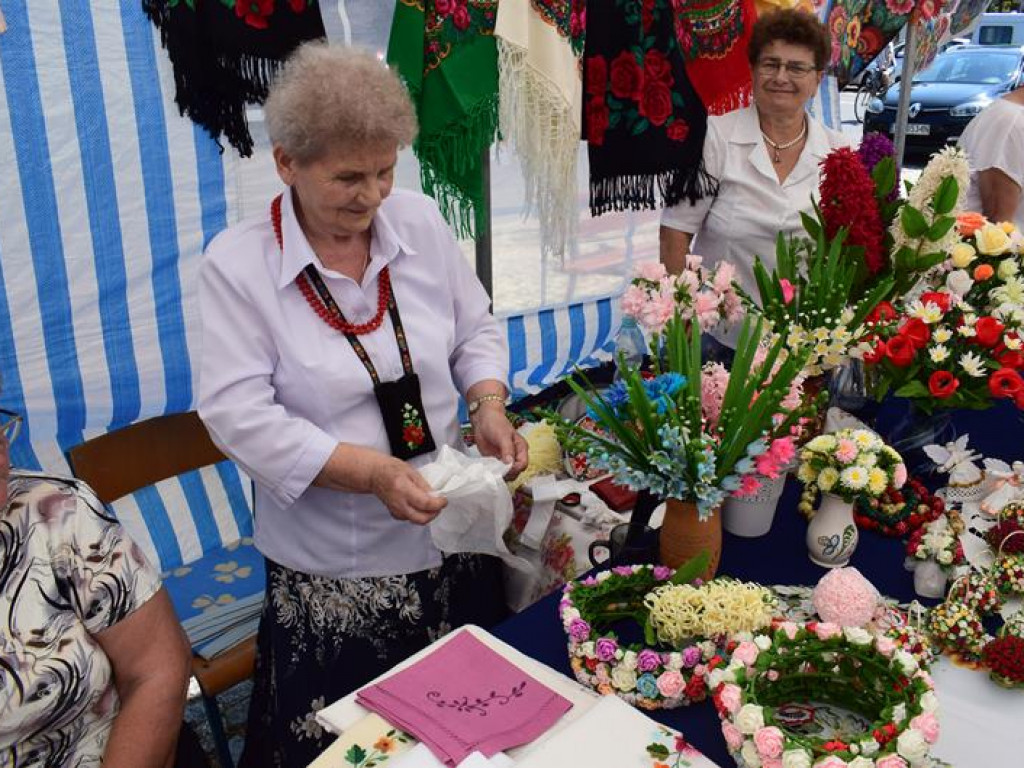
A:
x,y
142,454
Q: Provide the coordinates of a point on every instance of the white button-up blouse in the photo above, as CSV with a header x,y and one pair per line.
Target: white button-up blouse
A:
x,y
279,388
751,207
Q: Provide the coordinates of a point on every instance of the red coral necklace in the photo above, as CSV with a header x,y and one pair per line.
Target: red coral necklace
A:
x,y
331,314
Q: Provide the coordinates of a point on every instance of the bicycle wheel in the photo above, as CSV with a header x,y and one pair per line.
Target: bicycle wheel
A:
x,y
860,101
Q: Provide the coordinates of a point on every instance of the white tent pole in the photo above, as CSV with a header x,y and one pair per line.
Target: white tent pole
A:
x,y
906,83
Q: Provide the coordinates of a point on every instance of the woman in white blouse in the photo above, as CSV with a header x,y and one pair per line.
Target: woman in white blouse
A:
x,y
340,329
766,157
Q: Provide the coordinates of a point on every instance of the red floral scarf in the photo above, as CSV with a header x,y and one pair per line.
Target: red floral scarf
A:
x,y
224,53
643,121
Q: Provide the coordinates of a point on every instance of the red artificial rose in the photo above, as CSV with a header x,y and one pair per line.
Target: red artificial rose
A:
x,y
679,130
696,689
916,330
1005,382
597,76
877,352
626,76
413,435
657,68
883,313
297,6
656,103
254,12
444,8
1011,358
900,351
988,331
597,120
943,384
938,298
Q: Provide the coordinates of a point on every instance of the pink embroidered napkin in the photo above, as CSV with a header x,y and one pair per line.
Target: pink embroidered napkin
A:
x,y
464,697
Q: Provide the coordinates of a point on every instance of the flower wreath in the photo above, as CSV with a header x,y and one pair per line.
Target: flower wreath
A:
x,y
824,662
898,511
643,676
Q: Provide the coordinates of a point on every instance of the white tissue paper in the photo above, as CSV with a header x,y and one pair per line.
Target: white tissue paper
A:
x,y
479,505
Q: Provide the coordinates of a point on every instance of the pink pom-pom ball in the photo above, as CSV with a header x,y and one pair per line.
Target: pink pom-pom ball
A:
x,y
845,597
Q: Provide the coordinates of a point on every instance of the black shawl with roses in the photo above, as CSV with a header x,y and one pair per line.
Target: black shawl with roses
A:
x,y
643,122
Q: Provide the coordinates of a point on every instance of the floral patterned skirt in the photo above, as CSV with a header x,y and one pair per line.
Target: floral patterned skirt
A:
x,y
320,639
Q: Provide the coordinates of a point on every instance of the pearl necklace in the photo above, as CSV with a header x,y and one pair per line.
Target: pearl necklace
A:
x,y
777,147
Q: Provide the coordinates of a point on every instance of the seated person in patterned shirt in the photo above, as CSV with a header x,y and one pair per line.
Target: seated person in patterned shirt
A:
x,y
93,662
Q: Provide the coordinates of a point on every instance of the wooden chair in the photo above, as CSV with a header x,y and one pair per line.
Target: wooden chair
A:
x,y
140,455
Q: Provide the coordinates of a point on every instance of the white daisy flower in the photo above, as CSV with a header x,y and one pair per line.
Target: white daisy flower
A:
x,y
972,365
854,477
827,479
941,335
1012,342
929,312
938,353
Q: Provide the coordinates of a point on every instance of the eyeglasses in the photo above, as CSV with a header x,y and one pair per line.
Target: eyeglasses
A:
x,y
795,69
10,425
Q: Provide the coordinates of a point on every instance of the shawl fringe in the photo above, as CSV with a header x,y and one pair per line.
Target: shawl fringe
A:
x,y
639,192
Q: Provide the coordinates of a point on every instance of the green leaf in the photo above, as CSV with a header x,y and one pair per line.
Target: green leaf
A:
x,y
810,225
913,222
884,176
355,755
940,227
614,119
945,196
692,568
658,751
913,389
641,126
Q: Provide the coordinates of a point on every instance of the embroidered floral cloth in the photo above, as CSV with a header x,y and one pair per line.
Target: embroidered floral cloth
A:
x,y
643,122
859,30
225,52
612,734
445,52
372,741
465,698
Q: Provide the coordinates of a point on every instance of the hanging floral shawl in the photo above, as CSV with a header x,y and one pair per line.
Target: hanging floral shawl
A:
x,y
539,47
225,52
643,122
445,52
860,29
713,36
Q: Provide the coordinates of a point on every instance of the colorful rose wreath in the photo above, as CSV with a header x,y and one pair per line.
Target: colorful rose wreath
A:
x,y
824,662
646,677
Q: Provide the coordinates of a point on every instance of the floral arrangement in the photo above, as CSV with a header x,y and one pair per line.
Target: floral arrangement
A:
x,y
698,293
958,630
898,512
939,540
826,663
657,438
1004,658
984,266
914,640
643,675
851,463
723,606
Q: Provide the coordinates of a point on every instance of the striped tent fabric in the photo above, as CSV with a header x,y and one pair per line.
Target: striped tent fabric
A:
x,y
108,199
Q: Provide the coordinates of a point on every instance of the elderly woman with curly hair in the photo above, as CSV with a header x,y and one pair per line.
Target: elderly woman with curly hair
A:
x,y
340,329
766,156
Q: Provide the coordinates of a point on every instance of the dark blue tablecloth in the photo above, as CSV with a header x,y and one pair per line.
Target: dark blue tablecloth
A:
x,y
778,558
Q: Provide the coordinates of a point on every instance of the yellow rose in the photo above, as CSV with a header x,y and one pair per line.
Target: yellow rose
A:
x,y
962,255
1007,227
992,240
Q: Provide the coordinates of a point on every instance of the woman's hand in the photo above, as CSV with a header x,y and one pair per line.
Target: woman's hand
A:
x,y
495,436
404,492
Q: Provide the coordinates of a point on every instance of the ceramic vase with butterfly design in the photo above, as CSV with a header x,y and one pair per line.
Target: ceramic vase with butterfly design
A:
x,y
832,534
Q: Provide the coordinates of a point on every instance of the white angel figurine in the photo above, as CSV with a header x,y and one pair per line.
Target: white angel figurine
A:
x,y
956,460
1008,485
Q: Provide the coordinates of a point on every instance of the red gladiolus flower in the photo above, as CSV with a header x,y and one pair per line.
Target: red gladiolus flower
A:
x,y
939,298
943,384
917,331
988,331
883,313
900,351
254,12
1005,382
848,200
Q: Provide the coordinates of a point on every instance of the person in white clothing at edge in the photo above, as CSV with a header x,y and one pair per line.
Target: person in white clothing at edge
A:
x,y
339,330
994,143
766,157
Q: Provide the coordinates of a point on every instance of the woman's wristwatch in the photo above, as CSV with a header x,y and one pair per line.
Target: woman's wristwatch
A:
x,y
475,404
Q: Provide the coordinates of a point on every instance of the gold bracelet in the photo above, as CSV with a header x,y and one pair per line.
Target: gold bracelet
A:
x,y
474,406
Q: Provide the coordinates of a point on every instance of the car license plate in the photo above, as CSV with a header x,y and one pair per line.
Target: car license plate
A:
x,y
918,129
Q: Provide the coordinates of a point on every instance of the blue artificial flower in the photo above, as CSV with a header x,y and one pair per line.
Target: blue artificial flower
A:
x,y
731,483
647,685
616,396
756,448
661,389
744,466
